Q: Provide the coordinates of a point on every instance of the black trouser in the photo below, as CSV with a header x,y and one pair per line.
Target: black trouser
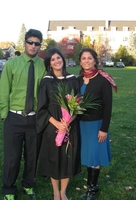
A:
x,y
19,133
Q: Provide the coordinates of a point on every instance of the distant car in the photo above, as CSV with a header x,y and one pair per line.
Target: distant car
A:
x,y
72,63
2,63
120,64
109,63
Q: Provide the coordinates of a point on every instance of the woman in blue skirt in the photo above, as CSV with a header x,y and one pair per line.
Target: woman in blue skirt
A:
x,y
94,124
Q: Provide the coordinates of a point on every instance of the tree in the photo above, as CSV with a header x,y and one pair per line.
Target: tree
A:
x,y
78,48
50,43
123,55
20,43
86,42
132,44
1,54
4,45
44,44
101,46
68,46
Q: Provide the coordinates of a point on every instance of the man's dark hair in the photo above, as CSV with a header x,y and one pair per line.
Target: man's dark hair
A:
x,y
34,33
17,53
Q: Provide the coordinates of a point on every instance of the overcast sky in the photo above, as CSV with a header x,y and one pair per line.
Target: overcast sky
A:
x,y
36,14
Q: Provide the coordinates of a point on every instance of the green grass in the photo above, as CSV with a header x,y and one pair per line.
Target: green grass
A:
x,y
117,182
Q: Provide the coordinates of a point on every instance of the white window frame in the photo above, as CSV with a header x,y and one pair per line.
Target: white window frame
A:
x,y
113,28
125,39
89,28
101,28
125,28
59,28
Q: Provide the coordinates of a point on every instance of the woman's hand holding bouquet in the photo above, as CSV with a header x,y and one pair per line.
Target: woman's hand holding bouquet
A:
x,y
71,106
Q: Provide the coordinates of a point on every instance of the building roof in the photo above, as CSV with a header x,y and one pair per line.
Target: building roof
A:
x,y
83,24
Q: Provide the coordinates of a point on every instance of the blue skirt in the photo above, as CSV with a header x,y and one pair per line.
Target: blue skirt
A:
x,y
93,153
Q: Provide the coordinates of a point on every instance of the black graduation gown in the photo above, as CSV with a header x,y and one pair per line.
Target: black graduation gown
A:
x,y
53,160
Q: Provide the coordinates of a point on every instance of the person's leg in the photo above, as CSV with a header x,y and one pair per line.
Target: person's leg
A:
x,y
89,176
56,192
13,141
30,157
64,184
93,174
94,178
30,153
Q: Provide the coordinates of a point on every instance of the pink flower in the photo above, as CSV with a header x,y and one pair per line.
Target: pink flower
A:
x,y
78,99
68,97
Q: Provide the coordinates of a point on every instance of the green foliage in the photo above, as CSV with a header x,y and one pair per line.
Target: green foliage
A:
x,y
44,44
102,47
132,44
78,48
50,43
75,105
1,54
123,55
6,44
116,182
20,43
86,42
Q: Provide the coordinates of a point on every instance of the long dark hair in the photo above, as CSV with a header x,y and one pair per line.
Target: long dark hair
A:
x,y
47,60
93,53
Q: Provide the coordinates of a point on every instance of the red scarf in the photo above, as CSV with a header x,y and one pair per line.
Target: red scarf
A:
x,y
92,73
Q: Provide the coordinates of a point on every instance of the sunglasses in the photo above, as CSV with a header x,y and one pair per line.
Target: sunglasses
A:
x,y
31,43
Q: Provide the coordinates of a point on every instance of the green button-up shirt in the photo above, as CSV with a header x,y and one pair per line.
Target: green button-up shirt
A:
x,y
13,83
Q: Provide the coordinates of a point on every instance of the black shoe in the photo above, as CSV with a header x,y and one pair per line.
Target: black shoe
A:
x,y
90,195
29,192
95,188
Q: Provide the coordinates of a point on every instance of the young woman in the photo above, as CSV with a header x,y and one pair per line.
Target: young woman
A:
x,y
94,125
53,160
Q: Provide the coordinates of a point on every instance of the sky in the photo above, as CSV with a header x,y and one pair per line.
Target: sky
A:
x,y
37,14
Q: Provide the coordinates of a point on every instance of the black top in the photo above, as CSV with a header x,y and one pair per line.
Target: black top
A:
x,y
101,88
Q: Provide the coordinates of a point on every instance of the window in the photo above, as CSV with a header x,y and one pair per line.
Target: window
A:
x,y
59,28
125,38
101,28
113,28
125,28
112,39
89,28
71,27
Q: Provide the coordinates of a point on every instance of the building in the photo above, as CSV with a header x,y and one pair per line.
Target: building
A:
x,y
116,32
8,52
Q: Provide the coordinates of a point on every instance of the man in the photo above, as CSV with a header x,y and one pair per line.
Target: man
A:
x,y
20,126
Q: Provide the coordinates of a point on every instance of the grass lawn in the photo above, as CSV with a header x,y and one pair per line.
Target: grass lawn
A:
x,y
117,182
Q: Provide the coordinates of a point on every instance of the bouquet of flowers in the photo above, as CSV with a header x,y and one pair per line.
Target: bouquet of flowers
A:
x,y
71,106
